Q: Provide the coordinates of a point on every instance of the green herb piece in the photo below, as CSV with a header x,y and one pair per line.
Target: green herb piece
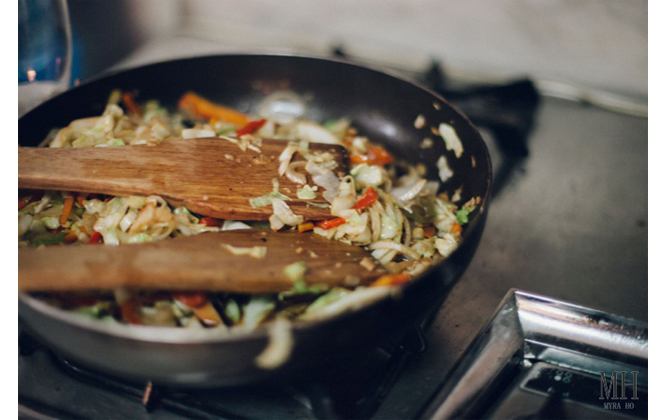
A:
x,y
462,214
306,193
49,238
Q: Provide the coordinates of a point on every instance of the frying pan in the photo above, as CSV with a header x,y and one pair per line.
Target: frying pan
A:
x,y
382,106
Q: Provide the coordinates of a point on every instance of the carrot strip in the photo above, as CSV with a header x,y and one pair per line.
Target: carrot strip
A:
x,y
70,238
429,231
304,227
80,199
130,104
456,228
208,315
130,311
209,110
391,280
67,208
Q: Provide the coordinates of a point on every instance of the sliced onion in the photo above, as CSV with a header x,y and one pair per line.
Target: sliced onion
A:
x,y
275,222
192,133
282,107
234,225
444,171
324,178
351,302
405,194
284,213
306,130
384,256
257,252
375,220
451,139
341,203
445,246
127,220
403,249
25,220
295,176
431,187
280,345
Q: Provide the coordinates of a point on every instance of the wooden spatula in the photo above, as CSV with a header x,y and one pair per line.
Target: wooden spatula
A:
x,y
207,262
211,177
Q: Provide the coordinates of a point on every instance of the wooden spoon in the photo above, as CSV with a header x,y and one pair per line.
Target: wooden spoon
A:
x,y
212,177
203,262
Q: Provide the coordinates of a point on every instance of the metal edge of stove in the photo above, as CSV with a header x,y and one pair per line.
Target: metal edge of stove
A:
x,y
528,328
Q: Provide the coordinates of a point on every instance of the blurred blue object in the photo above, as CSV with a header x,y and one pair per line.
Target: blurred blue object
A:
x,y
43,41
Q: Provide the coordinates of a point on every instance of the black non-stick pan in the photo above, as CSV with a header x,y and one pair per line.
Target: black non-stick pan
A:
x,y
381,106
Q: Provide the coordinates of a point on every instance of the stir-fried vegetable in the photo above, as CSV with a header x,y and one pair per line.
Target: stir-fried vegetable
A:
x,y
201,107
375,156
383,205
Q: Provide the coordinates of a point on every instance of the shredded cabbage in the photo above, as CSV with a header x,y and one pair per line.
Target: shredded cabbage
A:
x,y
389,208
306,193
266,200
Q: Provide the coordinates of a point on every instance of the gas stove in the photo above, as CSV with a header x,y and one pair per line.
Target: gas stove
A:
x,y
53,387
554,228
537,358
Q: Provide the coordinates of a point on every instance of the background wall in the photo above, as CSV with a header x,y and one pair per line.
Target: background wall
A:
x,y
105,32
598,44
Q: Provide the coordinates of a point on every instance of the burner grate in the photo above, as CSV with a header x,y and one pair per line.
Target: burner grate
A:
x,y
58,388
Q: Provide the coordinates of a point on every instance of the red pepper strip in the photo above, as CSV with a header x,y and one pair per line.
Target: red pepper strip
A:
x,y
130,104
391,280
332,223
23,202
375,156
368,199
191,299
96,238
251,127
67,208
211,222
429,231
130,311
